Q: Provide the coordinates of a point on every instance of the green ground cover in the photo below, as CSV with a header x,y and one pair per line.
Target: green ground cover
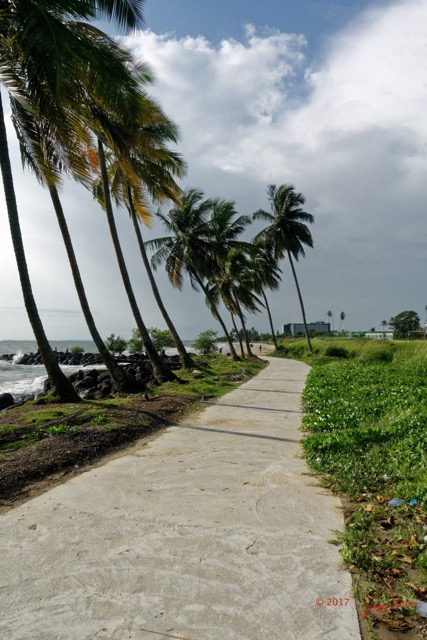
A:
x,y
42,440
365,406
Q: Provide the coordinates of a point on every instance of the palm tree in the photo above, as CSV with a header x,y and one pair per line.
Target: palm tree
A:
x,y
342,318
160,370
35,38
233,284
266,273
384,324
155,175
46,157
330,315
190,248
115,117
287,233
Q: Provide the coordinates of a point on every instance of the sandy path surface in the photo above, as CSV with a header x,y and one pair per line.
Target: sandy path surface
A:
x,y
213,531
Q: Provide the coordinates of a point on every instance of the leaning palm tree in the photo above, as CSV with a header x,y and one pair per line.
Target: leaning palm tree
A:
x,y
115,123
266,273
35,38
287,233
160,369
154,174
190,248
233,284
49,155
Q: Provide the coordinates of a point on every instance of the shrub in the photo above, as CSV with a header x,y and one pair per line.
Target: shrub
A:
x,y
135,344
205,342
76,350
161,338
337,352
116,344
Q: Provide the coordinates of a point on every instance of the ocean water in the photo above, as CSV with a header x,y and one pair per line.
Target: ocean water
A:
x,y
23,381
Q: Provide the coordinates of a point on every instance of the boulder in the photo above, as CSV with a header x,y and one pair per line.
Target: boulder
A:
x,y
6,400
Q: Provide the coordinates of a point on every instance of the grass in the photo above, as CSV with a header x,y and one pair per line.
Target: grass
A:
x,y
365,406
42,438
220,375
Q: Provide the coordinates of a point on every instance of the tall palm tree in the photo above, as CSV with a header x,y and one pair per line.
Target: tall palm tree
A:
x,y
47,157
155,175
330,315
287,233
342,318
234,285
266,273
35,38
36,72
115,117
160,370
190,249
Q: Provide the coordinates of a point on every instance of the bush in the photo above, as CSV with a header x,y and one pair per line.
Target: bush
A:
x,y
116,344
205,343
76,350
135,344
337,352
161,338
375,352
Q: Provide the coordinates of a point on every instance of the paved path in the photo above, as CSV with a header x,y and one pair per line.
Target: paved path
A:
x,y
213,531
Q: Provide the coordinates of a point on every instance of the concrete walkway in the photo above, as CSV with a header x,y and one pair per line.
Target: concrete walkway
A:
x,y
213,531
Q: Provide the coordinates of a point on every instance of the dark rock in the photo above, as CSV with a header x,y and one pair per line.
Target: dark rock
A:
x,y
6,400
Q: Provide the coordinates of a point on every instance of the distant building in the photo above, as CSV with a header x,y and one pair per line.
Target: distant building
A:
x,y
295,328
379,335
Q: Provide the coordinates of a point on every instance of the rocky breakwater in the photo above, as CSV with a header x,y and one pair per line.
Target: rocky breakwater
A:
x,y
90,384
64,357
94,384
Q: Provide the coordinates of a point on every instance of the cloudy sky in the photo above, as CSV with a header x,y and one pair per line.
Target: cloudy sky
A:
x,y
330,96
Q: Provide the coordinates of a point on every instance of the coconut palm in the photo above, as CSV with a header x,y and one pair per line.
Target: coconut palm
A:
x,y
330,315
191,248
233,284
266,273
47,157
115,120
154,170
287,233
160,370
342,318
39,56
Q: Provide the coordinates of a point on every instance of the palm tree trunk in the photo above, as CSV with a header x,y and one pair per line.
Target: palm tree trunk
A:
x,y
121,381
185,358
242,320
63,387
307,337
269,318
239,337
218,317
160,370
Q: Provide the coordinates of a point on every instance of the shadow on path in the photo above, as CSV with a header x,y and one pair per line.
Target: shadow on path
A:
x,y
245,406
234,433
297,393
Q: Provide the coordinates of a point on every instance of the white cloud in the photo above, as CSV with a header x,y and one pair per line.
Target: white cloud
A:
x,y
351,135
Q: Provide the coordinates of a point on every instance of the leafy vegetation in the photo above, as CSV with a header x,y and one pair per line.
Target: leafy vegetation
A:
x,y
39,440
161,338
76,350
365,406
405,323
206,342
116,344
